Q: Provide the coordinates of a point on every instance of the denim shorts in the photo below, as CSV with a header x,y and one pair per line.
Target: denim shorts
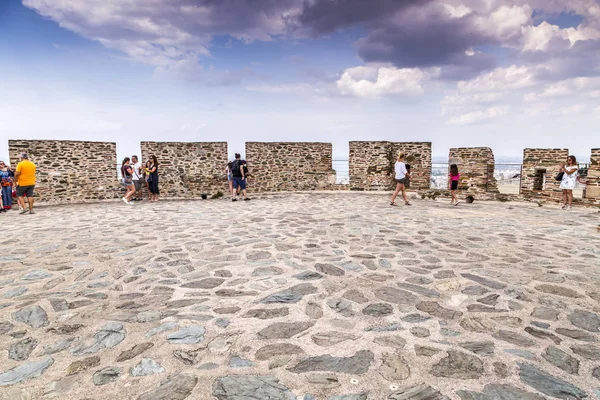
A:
x,y
239,182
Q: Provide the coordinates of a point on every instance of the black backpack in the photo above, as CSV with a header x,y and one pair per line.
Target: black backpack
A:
x,y
235,168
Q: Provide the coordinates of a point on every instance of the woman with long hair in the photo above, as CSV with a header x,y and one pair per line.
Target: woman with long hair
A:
x,y
401,175
153,178
567,183
127,173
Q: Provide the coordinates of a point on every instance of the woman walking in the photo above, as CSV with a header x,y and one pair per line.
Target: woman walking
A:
x,y
153,178
6,179
453,181
401,175
567,183
127,173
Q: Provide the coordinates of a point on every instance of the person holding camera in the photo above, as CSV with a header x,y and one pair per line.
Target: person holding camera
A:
x,y
568,180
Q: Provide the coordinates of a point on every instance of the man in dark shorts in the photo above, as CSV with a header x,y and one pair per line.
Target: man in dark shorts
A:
x,y
25,180
137,178
238,171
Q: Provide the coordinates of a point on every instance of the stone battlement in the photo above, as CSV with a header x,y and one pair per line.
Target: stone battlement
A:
x,y
73,171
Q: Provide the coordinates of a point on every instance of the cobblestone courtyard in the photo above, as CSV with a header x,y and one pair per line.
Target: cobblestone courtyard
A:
x,y
305,296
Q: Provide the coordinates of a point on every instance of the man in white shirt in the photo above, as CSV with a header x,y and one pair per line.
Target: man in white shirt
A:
x,y
137,178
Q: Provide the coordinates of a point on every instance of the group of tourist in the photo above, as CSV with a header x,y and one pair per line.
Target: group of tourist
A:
x,y
567,176
137,179
237,176
18,182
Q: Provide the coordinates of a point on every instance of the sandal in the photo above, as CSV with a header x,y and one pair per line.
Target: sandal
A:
x,y
407,203
393,204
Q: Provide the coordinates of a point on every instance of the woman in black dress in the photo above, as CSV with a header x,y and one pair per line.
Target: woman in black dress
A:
x,y
153,178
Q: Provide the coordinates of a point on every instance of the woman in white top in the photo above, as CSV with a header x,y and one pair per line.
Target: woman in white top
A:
x,y
401,175
567,184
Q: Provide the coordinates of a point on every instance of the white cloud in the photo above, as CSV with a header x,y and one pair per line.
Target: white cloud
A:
x,y
479,116
589,86
500,80
505,22
575,109
461,104
369,81
288,88
536,109
159,32
458,11
540,37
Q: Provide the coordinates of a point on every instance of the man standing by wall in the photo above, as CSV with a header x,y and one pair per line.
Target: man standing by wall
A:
x,y
25,180
239,171
137,178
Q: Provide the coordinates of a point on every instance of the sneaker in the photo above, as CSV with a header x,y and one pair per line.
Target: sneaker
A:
x,y
124,200
569,208
31,212
233,199
247,199
23,212
564,207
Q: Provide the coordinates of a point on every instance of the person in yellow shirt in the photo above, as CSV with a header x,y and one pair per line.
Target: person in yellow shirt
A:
x,y
25,179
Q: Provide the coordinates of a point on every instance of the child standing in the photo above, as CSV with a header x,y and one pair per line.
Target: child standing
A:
x,y
453,183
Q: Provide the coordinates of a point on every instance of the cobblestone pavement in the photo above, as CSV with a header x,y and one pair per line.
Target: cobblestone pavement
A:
x,y
305,296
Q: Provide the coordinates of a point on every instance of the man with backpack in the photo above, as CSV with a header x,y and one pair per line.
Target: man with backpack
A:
x,y
239,171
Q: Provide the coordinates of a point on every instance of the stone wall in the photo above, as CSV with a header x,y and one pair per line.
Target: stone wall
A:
x,y
189,169
476,168
70,171
418,156
592,190
372,164
288,166
540,166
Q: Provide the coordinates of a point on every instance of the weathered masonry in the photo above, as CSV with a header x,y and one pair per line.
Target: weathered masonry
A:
x,y
476,168
189,169
70,171
592,190
372,164
540,166
74,171
289,166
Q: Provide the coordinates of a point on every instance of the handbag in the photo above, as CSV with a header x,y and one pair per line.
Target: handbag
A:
x,y
559,176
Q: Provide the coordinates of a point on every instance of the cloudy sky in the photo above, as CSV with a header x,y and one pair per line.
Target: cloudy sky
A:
x,y
507,74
